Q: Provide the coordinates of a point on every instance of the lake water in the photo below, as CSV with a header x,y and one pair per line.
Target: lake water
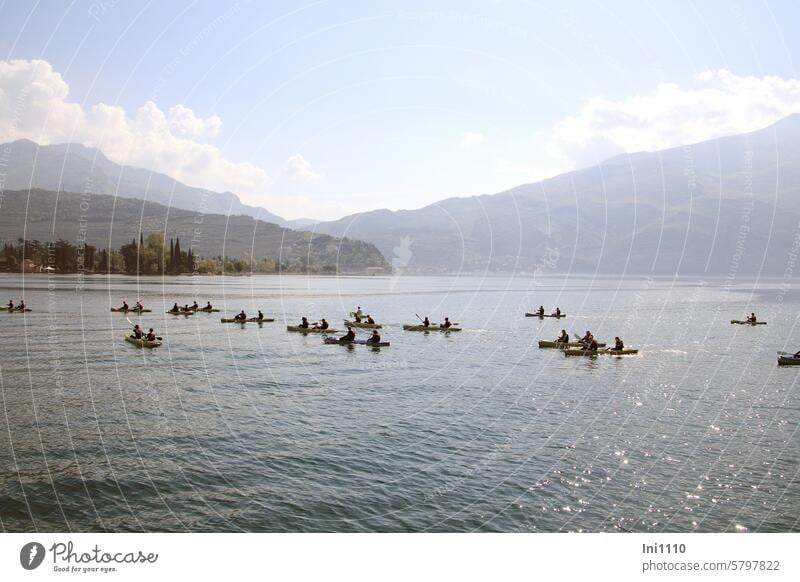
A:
x,y
251,428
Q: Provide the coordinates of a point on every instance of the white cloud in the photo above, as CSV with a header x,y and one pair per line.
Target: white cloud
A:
x,y
298,168
34,105
470,139
724,104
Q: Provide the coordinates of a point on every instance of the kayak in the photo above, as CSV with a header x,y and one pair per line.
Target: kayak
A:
x,y
607,351
142,343
740,322
130,310
17,310
546,315
299,329
788,361
206,310
432,327
360,342
248,320
181,312
547,344
363,324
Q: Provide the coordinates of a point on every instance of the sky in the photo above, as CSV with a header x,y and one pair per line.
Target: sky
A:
x,y
321,109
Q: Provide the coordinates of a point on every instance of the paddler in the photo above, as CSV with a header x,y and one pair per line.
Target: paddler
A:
x,y
208,306
426,322
349,336
358,312
375,338
563,338
241,316
618,345
151,335
586,338
540,311
137,331
124,306
260,316
752,318
323,324
446,324
175,308
139,306
370,320
557,312
592,345
21,305
195,306
357,316
186,307
10,304
304,323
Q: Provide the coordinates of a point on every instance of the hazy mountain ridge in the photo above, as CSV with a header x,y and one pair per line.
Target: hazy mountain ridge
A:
x,y
72,167
109,222
687,209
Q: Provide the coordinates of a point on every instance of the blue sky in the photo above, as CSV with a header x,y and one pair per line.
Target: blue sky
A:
x,y
324,108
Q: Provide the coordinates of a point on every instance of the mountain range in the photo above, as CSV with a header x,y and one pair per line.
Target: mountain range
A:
x,y
726,206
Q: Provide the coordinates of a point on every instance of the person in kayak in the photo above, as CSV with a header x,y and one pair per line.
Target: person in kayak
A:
x,y
563,338
195,306
358,312
151,335
304,323
370,320
10,304
139,306
592,345
446,324
208,306
557,312
752,318
586,339
357,316
21,305
540,311
186,308
618,345
375,338
323,324
241,316
137,331
175,308
349,336
260,316
124,306
426,322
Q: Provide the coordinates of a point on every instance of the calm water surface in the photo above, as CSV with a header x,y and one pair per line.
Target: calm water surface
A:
x,y
250,428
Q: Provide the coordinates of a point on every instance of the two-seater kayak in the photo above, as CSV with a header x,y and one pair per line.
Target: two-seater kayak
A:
x,y
190,312
142,343
745,322
130,310
17,310
206,310
362,324
359,342
432,327
553,315
607,351
299,329
562,345
248,320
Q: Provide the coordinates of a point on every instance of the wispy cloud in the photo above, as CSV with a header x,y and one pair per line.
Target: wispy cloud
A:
x,y
470,139
299,168
671,115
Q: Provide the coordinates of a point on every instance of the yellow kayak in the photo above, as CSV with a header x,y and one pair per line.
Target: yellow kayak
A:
x,y
142,343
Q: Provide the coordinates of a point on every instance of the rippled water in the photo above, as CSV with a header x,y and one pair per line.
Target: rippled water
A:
x,y
229,428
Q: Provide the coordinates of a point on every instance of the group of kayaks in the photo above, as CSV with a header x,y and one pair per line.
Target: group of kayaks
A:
x,y
784,358
581,347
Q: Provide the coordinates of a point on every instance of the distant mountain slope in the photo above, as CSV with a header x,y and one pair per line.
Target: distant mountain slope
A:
x,y
112,222
76,168
723,206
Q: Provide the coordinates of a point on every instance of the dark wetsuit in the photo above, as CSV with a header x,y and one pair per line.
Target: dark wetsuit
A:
x,y
348,337
324,325
618,345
